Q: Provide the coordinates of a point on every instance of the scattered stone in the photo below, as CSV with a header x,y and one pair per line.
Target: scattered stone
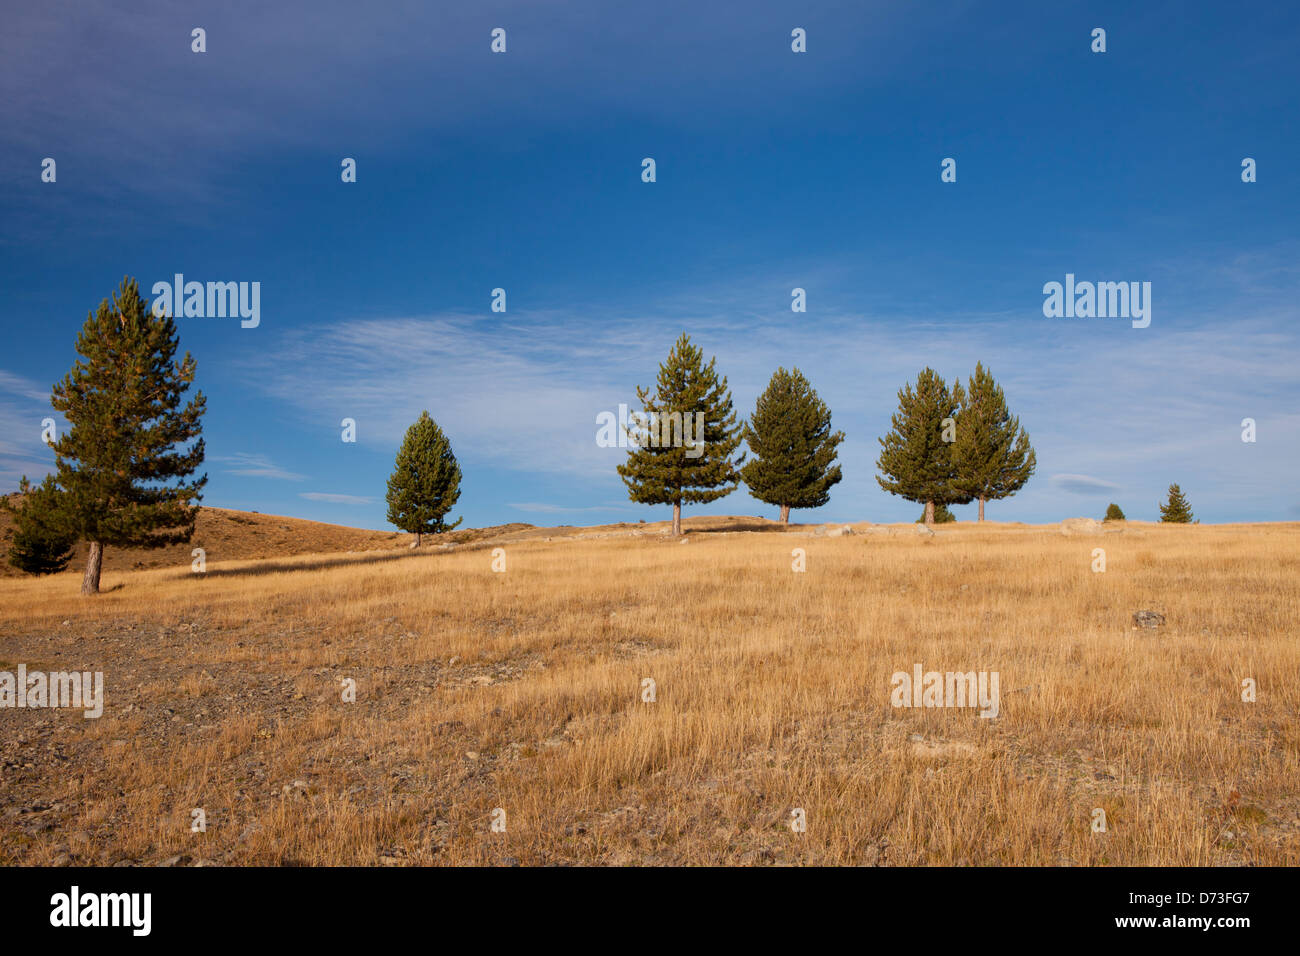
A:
x,y
1147,619
923,530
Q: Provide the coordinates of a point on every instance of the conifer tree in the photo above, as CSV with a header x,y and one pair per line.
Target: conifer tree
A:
x,y
992,455
42,544
123,462
671,462
790,438
425,483
1114,513
916,456
1176,510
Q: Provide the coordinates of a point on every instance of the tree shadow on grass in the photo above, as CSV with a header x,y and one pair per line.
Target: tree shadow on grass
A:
x,y
758,524
286,565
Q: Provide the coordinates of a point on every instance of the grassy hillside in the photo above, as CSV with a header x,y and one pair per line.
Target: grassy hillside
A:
x,y
522,690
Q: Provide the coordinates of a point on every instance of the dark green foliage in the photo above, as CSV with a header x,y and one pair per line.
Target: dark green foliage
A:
x,y
671,469
941,515
790,437
915,462
42,543
425,483
1176,510
992,455
123,462
1114,513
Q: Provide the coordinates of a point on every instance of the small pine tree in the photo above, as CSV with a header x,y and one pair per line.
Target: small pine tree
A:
x,y
42,543
991,455
670,463
1176,510
128,432
941,515
425,483
1114,513
916,456
790,437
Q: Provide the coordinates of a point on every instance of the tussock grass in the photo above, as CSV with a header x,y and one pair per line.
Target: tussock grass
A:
x,y
522,690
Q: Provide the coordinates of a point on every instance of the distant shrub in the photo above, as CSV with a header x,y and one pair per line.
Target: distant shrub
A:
x,y
1114,513
941,515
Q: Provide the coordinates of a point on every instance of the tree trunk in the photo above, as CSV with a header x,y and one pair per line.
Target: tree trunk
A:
x,y
418,538
94,564
981,507
929,514
677,518
785,514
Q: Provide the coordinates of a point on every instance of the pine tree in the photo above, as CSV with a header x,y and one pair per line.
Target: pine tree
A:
x,y
916,456
941,515
992,454
123,462
42,544
790,437
1176,510
425,483
1114,513
671,462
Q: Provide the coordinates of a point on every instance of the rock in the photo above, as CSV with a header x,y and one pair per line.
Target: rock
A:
x,y
839,532
923,530
412,545
1080,526
1147,619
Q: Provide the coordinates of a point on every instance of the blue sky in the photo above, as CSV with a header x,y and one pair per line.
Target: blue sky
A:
x,y
775,170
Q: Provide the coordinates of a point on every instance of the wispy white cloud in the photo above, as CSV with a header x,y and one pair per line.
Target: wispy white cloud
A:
x,y
540,507
1142,407
336,498
24,387
1083,484
252,465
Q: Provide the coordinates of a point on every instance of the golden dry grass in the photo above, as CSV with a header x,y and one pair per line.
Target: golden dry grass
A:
x,y
522,690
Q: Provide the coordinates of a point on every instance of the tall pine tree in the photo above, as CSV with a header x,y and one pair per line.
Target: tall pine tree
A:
x,y
790,437
1176,510
674,463
425,483
992,454
123,462
42,543
916,459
